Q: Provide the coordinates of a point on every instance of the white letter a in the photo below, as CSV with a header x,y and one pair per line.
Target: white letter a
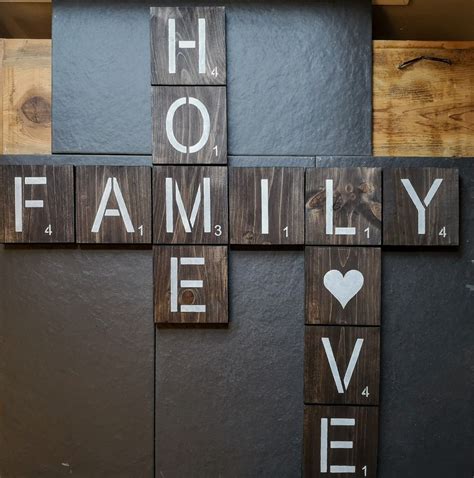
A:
x,y
121,211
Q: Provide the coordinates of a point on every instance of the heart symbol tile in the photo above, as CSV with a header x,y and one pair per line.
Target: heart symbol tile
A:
x,y
343,288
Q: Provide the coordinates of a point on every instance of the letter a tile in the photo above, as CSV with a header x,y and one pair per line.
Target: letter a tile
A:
x,y
421,207
340,442
113,204
189,125
342,365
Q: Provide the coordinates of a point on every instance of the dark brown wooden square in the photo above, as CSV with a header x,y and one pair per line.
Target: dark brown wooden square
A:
x,y
180,190
421,207
340,441
343,285
113,204
37,204
189,125
190,284
196,53
355,213
266,205
342,365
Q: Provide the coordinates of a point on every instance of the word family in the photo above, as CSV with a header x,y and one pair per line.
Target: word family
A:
x,y
216,205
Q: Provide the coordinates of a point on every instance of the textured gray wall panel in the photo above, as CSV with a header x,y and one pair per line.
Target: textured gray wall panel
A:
x,y
76,363
299,76
229,402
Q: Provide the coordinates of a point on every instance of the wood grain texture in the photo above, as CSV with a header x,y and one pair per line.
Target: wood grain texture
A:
x,y
213,294
188,125
426,109
285,187
401,227
356,203
187,59
26,96
51,221
95,186
322,307
189,181
363,434
319,383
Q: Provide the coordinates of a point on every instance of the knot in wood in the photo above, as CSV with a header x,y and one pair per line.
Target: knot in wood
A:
x,y
37,110
188,297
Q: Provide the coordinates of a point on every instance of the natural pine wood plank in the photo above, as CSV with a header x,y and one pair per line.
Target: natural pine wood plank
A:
x,y
26,98
426,109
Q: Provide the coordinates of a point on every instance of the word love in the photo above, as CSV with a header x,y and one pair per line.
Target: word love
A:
x,y
217,205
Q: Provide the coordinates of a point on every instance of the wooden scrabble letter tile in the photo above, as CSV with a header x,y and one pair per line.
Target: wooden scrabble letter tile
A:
x,y
37,203
190,284
343,206
266,205
343,285
190,205
342,365
189,125
340,441
421,207
188,46
113,204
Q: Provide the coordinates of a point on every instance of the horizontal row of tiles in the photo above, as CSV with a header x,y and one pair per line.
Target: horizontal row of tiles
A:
x,y
268,206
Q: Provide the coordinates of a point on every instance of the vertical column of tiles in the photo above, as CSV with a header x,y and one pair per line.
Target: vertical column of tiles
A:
x,y
190,198
342,334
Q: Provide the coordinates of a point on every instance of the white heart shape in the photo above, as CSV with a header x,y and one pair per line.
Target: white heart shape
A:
x,y
343,288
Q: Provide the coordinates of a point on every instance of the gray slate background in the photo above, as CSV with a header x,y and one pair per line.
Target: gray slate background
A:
x,y
299,76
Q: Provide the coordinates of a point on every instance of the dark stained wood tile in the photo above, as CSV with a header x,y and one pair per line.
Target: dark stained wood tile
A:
x,y
189,125
340,441
352,214
421,207
113,204
196,53
177,190
266,205
343,285
37,204
342,365
191,284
